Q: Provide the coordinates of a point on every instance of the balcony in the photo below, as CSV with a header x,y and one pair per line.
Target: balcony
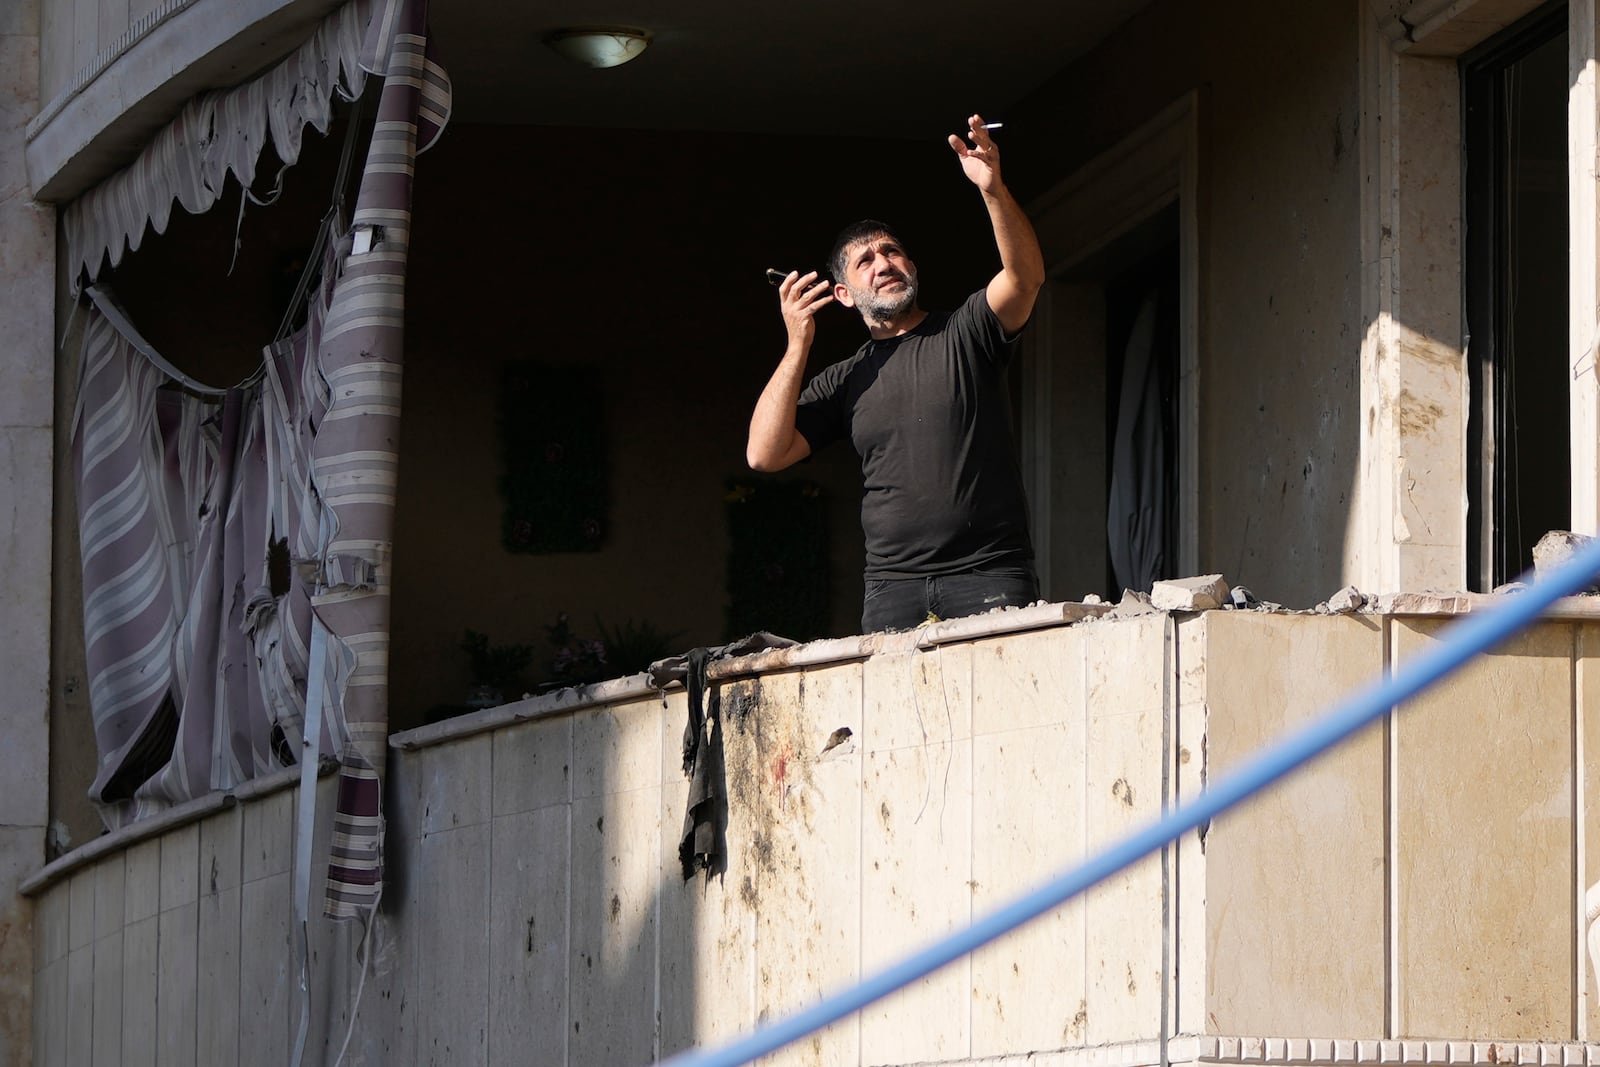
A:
x,y
113,72
1414,897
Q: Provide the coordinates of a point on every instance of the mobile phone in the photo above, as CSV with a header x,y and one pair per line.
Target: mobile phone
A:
x,y
776,276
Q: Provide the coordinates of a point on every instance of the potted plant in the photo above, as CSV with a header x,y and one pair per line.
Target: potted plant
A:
x,y
495,668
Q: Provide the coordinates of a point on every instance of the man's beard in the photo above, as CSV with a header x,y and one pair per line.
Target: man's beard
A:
x,y
878,306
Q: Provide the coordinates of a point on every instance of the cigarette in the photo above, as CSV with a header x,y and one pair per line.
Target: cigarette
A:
x,y
993,125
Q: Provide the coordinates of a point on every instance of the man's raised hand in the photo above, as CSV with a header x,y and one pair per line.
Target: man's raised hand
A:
x,y
800,297
981,161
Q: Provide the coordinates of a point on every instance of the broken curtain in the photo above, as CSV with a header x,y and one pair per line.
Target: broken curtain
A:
x,y
214,523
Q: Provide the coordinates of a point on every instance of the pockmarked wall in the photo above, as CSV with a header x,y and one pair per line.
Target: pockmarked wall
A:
x,y
1413,897
1280,179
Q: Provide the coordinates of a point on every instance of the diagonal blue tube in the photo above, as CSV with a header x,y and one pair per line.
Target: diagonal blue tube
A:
x,y
1462,641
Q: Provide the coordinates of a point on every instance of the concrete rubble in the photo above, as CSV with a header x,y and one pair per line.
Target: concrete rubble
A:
x,y
1347,600
1555,549
1202,593
1132,604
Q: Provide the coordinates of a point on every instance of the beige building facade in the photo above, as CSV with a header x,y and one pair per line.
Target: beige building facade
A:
x,y
1297,191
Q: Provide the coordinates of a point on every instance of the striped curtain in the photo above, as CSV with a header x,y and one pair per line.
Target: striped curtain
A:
x,y
196,649
215,524
354,456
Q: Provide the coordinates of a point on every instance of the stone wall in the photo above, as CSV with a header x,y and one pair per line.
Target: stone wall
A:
x,y
1420,883
27,281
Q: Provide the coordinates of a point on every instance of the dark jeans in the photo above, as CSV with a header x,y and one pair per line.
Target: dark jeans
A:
x,y
905,603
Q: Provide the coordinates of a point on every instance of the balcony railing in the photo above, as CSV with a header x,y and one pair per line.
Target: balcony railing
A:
x,y
1413,897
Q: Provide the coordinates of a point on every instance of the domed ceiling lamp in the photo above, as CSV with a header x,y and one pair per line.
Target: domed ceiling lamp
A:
x,y
599,46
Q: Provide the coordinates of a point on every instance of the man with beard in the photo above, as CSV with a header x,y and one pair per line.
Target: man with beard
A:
x,y
924,403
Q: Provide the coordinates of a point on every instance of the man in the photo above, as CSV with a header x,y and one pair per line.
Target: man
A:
x,y
924,403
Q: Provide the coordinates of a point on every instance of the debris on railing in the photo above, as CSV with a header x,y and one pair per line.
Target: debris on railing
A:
x,y
1202,593
1347,600
1555,549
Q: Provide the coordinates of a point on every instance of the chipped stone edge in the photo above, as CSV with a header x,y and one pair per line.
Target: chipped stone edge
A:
x,y
847,649
1576,608
178,815
813,654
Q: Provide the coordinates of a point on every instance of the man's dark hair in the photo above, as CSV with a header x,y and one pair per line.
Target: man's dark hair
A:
x,y
852,234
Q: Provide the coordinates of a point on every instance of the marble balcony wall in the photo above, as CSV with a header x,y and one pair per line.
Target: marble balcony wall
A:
x,y
1382,907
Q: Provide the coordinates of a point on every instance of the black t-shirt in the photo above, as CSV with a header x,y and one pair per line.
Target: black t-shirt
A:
x,y
928,414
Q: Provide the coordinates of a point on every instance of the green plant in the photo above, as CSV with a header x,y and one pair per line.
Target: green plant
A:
x,y
497,666
626,649
633,646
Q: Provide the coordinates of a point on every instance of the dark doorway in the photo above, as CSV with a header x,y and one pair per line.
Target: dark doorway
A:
x,y
1515,182
1142,341
1104,422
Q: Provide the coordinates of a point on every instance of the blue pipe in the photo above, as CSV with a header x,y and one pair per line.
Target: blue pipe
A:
x,y
1462,641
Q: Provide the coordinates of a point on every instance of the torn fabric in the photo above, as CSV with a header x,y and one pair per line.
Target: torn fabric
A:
x,y
701,845
215,523
223,132
355,455
196,663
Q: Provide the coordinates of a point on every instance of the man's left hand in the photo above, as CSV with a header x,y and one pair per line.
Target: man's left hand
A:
x,y
981,161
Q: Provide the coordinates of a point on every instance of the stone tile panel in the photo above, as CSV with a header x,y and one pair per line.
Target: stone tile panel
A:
x,y
1028,680
218,965
707,939
268,979
177,985
456,783
618,748
1587,691
110,881
616,872
267,836
80,904
140,976
916,869
805,874
108,996
1123,786
1483,768
180,866
52,1015
1028,989
81,1006
918,698
1298,875
221,852
533,766
52,925
452,964
529,934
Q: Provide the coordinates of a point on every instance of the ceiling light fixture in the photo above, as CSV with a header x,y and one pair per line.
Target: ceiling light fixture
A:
x,y
609,46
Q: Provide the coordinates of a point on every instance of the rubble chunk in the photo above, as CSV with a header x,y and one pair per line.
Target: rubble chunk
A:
x,y
1347,600
1132,603
1201,593
1555,549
